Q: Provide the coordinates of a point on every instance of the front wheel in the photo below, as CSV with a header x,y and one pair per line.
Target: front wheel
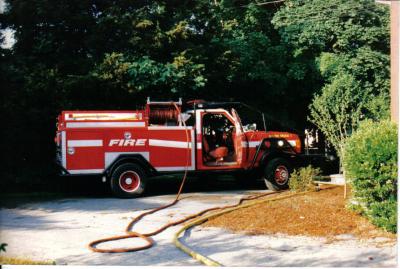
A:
x,y
277,174
128,181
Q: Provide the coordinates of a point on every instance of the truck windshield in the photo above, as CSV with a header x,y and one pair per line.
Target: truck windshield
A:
x,y
249,118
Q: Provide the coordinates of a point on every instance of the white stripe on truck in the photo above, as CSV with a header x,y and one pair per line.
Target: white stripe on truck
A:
x,y
86,171
85,143
105,124
169,143
251,144
172,168
64,149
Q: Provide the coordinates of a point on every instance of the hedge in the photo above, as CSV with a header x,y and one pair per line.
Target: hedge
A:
x,y
370,163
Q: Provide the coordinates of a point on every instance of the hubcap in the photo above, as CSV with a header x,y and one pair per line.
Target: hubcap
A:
x,y
281,175
129,181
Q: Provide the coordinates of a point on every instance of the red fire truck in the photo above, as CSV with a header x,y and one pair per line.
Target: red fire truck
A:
x,y
128,147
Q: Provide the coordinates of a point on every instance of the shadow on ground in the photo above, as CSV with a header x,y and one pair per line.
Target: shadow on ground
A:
x,y
93,187
244,250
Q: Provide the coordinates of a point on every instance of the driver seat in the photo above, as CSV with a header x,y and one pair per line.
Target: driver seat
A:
x,y
218,153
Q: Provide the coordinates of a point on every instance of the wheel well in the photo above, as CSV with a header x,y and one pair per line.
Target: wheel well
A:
x,y
136,159
268,156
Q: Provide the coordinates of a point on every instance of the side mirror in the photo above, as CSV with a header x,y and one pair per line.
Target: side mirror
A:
x,y
250,127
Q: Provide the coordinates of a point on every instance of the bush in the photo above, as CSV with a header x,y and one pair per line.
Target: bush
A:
x,y
370,162
3,247
302,179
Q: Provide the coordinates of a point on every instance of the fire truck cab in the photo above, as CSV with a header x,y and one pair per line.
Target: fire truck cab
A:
x,y
128,147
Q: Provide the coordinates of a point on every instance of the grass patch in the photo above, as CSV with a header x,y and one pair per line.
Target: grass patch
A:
x,y
23,261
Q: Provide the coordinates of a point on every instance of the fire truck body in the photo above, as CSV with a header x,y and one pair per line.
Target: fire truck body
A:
x,y
127,147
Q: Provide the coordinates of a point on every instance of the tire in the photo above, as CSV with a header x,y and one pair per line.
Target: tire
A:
x,y
128,181
277,174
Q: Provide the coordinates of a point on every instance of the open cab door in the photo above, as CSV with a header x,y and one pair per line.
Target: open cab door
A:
x,y
221,139
241,145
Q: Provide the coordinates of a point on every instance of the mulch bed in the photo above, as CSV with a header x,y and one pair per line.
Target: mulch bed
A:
x,y
321,213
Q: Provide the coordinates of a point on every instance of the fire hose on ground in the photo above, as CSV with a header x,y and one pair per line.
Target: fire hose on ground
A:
x,y
225,210
199,218
146,236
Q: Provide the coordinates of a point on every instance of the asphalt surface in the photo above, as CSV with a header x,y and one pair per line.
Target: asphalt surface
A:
x,y
59,229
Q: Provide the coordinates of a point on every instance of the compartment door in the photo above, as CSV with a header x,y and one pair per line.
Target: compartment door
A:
x,y
84,152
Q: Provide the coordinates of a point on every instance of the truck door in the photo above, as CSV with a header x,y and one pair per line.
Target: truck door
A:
x,y
241,145
220,136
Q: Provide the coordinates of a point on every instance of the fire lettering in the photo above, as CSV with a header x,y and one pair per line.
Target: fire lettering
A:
x,y
127,142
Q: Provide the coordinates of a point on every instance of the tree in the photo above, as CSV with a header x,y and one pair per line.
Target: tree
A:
x,y
338,110
111,55
92,54
349,45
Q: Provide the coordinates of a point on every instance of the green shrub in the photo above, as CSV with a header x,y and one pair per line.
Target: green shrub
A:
x,y
370,163
3,247
302,179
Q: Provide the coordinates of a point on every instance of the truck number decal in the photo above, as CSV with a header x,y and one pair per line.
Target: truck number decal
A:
x,y
127,142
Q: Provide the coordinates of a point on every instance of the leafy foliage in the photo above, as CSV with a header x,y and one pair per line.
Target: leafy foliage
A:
x,y
337,26
302,179
370,162
144,73
338,109
3,247
349,44
113,54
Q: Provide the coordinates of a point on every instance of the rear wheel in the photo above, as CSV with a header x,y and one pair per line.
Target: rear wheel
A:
x,y
128,180
277,174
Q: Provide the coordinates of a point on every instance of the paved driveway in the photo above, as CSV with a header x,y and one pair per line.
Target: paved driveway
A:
x,y
60,230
